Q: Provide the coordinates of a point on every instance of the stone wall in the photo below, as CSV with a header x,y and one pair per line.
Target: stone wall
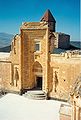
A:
x,y
64,41
65,117
6,77
5,74
65,112
67,70
15,50
10,68
15,60
61,40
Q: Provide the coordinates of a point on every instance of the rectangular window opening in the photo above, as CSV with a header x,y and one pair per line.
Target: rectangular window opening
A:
x,y
37,46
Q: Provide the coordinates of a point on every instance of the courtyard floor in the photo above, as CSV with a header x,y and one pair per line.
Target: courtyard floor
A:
x,y
16,107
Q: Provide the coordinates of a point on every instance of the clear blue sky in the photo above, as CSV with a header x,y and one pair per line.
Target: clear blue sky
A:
x,y
66,13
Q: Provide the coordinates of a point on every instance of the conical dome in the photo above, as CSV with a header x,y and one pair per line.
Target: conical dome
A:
x,y
48,17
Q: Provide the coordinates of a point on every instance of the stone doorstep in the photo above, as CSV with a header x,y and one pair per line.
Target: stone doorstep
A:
x,y
36,92
36,95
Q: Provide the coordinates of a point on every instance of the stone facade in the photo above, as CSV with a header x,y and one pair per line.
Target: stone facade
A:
x,y
75,98
61,40
73,110
33,65
65,112
67,66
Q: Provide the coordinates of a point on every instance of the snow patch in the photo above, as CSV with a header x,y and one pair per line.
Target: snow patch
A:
x,y
4,55
16,107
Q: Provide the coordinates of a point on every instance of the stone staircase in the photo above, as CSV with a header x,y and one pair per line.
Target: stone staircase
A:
x,y
36,94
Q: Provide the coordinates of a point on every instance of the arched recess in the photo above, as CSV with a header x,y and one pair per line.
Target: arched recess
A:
x,y
38,78
52,42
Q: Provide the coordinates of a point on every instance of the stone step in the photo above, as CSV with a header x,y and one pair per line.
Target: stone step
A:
x,y
36,98
37,95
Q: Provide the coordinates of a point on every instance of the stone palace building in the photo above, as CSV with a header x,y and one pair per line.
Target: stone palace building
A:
x,y
40,58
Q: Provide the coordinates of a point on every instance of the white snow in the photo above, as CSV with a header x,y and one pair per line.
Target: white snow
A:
x,y
4,55
16,107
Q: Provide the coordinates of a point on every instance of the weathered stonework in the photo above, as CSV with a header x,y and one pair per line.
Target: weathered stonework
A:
x,y
72,111
27,68
68,68
75,98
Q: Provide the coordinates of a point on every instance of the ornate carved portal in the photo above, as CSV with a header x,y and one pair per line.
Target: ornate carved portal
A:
x,y
37,71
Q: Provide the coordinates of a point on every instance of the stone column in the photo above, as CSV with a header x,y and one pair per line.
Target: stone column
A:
x,y
73,117
77,113
47,61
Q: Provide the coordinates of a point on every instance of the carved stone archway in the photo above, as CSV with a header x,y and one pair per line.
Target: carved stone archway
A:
x,y
38,78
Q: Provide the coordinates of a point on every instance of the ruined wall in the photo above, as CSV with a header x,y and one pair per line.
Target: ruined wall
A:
x,y
65,117
15,49
15,60
56,36
5,74
64,41
7,80
10,68
61,40
65,112
63,73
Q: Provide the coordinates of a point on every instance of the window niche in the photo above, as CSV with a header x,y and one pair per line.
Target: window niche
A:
x,y
55,79
16,76
37,46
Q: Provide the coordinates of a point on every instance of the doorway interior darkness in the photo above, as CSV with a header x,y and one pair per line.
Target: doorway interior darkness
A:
x,y
39,82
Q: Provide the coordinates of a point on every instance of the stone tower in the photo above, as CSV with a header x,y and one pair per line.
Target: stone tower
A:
x,y
34,55
48,17
35,50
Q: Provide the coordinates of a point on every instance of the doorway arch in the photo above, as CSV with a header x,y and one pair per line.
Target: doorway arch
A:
x,y
38,77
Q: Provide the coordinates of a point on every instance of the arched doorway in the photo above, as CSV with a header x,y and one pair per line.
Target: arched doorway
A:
x,y
37,70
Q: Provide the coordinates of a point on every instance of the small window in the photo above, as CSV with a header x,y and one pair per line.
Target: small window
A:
x,y
37,46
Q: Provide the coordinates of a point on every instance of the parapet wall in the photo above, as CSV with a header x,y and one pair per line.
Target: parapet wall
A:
x,y
68,54
65,68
